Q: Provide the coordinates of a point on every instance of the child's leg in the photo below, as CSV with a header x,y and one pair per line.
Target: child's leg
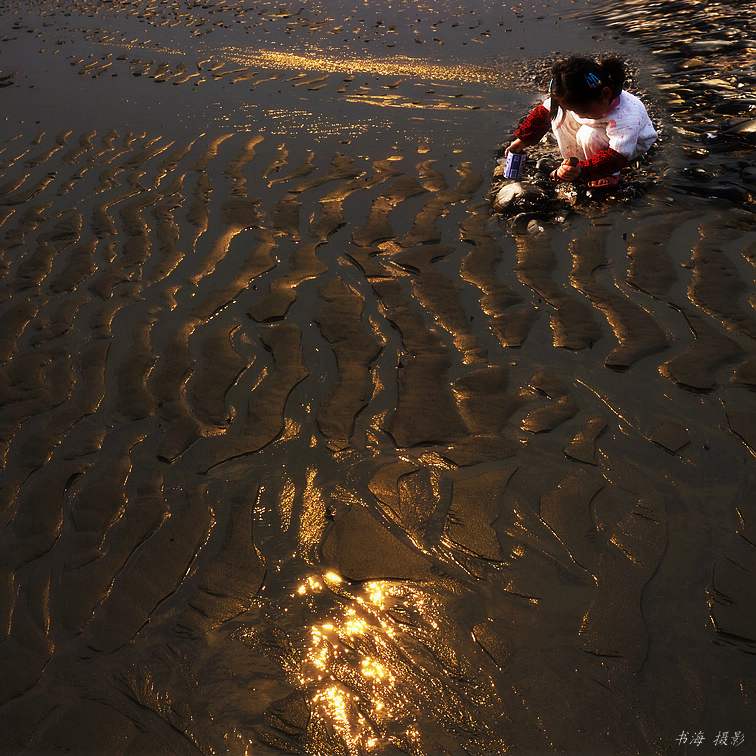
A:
x,y
590,141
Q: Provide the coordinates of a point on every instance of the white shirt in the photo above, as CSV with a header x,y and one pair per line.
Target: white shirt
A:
x,y
627,125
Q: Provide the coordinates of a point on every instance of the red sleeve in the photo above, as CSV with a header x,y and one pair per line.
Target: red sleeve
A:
x,y
534,125
603,163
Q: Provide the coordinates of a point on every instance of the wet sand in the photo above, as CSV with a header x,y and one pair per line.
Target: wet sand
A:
x,y
306,451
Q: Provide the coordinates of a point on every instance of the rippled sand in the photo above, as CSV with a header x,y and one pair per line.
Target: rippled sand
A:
x,y
304,451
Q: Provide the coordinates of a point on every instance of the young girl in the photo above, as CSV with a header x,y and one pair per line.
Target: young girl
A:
x,y
593,119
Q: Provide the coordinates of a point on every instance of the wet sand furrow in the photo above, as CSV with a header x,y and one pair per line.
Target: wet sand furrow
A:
x,y
410,497
582,446
486,401
79,264
509,316
426,412
340,319
131,397
26,651
476,496
559,407
285,216
424,228
97,501
26,448
33,268
109,274
86,143
175,362
168,234
342,167
731,599
170,162
15,316
166,383
9,161
38,522
27,195
15,237
93,582
696,368
281,159
420,250
304,263
238,215
5,214
572,323
137,248
377,227
218,367
57,318
261,421
440,296
101,223
151,576
11,187
259,260
470,180
650,269
230,584
306,167
67,186
73,388
108,143
745,373
637,334
717,288
150,149
235,169
281,293
43,157
742,423
197,212
635,544
211,152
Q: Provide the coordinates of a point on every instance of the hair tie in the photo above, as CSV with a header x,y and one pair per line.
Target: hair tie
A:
x,y
592,80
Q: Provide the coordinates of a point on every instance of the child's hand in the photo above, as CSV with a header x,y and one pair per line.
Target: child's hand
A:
x,y
569,170
516,146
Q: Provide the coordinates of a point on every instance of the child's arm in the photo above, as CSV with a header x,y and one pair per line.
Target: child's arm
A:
x,y
533,127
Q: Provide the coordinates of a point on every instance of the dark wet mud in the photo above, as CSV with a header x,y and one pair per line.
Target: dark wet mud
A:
x,y
306,451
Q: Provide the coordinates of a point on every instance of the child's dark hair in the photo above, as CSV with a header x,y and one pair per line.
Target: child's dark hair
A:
x,y
579,81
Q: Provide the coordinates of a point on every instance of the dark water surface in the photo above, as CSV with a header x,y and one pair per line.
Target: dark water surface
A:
x,y
304,451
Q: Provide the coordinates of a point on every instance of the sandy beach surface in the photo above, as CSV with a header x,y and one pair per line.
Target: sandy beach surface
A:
x,y
305,451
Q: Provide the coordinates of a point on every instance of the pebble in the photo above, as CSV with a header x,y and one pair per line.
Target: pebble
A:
x,y
518,194
747,126
714,45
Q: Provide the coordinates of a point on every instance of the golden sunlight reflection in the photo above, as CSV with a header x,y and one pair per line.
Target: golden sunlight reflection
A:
x,y
398,65
364,660
353,661
397,101
312,515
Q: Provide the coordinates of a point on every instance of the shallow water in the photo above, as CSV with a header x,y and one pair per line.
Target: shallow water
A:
x,y
306,452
